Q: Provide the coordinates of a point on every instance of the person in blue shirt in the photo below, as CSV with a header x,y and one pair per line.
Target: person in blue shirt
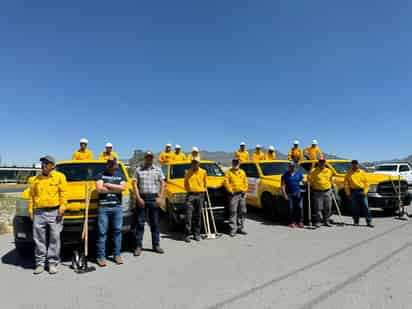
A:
x,y
291,192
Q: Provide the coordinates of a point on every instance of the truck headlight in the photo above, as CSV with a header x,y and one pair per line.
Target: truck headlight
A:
x,y
126,203
179,198
22,208
373,188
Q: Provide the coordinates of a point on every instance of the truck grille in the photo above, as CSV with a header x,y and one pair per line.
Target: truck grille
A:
x,y
389,188
218,196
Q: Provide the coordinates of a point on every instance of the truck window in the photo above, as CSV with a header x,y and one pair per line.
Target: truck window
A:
x,y
250,170
307,166
164,170
404,168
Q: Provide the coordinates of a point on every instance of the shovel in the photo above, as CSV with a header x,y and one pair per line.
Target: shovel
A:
x,y
341,222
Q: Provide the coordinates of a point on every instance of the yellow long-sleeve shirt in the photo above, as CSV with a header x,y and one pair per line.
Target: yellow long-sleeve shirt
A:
x,y
166,157
106,156
196,181
355,181
313,153
236,181
243,156
271,156
259,156
179,157
80,155
321,179
295,154
50,191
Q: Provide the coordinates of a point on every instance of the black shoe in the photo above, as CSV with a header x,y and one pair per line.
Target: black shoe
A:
x,y
317,225
187,239
232,233
197,238
370,225
158,250
137,252
356,223
242,232
327,224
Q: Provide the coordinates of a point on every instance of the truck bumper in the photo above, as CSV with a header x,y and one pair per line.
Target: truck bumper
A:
x,y
384,202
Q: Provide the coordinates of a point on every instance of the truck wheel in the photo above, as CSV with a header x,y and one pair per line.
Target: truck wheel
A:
x,y
390,211
268,205
171,219
24,250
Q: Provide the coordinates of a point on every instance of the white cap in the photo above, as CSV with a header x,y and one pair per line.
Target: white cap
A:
x,y
195,149
109,145
314,142
178,147
296,142
168,145
258,146
242,144
84,141
271,148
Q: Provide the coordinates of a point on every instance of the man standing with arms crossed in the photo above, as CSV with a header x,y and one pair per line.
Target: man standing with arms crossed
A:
x,y
149,187
237,185
46,208
196,186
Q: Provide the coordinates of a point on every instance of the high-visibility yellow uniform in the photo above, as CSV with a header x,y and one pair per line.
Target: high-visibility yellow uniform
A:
x,y
313,153
321,179
295,154
243,156
270,156
106,156
190,157
236,181
356,181
80,155
179,157
166,157
196,181
259,156
48,191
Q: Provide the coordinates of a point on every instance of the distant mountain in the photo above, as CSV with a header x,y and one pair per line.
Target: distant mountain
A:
x,y
407,159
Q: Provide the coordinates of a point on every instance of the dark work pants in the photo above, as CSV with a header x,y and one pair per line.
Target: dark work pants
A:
x,y
295,208
153,212
360,205
238,210
194,206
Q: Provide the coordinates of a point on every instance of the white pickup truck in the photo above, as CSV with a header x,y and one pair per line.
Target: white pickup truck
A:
x,y
403,169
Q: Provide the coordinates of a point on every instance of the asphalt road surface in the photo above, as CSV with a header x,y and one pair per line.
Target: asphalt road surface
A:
x,y
272,267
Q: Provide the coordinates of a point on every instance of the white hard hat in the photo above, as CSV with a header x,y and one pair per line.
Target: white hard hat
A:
x,y
84,141
195,149
296,142
242,144
271,148
168,145
258,146
178,147
109,145
314,142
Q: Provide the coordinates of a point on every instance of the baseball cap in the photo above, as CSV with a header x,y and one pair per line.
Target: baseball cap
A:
x,y
292,164
355,162
48,158
148,154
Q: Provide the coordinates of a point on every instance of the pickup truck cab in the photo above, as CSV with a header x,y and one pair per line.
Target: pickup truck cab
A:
x,y
79,174
403,169
264,179
175,197
383,189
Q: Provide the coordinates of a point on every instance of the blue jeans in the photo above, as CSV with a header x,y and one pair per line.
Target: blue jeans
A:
x,y
360,204
114,217
153,212
295,208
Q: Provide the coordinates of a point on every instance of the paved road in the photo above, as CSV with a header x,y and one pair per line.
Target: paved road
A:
x,y
273,267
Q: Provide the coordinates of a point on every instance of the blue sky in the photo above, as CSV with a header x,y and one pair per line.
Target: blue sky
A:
x,y
206,73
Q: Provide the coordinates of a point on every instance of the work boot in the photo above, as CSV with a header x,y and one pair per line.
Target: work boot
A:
x,y
39,269
119,260
370,225
327,224
187,239
242,232
137,252
318,225
232,233
158,250
53,269
197,238
102,262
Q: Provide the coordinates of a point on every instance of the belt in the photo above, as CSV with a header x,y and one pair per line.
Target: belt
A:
x,y
321,191
356,190
149,195
47,208
196,193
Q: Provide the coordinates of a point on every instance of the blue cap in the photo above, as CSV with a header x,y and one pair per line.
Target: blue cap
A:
x,y
292,164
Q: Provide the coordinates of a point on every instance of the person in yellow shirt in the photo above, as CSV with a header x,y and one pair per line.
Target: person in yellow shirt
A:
x,y
194,154
357,188
321,183
167,156
83,154
236,184
196,185
179,155
242,153
259,155
271,155
313,152
47,202
109,153
296,153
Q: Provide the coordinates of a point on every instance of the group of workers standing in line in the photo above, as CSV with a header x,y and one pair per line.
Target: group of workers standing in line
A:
x,y
48,198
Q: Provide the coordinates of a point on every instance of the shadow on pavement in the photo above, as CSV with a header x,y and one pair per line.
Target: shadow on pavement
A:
x,y
13,258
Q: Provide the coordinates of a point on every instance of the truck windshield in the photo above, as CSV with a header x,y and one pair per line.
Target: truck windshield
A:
x,y
178,171
386,168
344,167
84,172
277,168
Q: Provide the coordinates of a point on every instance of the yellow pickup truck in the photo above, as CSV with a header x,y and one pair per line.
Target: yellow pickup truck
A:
x,y
264,179
383,191
175,198
79,174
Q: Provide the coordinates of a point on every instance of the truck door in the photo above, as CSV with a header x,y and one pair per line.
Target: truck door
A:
x,y
253,182
406,172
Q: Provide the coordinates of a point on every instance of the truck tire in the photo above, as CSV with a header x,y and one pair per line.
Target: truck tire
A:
x,y
268,205
171,219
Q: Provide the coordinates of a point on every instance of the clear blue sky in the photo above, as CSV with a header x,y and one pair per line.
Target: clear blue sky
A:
x,y
206,73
